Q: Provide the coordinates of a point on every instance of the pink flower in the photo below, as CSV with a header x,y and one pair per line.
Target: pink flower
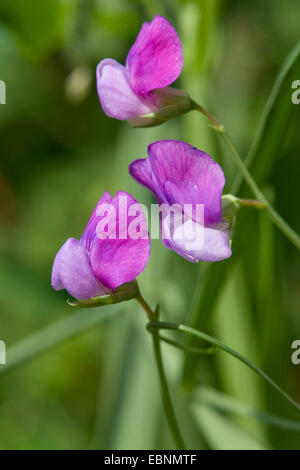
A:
x,y
139,92
97,264
181,175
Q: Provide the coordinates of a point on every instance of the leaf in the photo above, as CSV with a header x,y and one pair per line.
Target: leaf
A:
x,y
234,324
208,290
52,335
274,116
266,142
223,347
221,433
209,396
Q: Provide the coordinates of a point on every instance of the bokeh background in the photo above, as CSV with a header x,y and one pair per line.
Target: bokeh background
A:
x,y
86,379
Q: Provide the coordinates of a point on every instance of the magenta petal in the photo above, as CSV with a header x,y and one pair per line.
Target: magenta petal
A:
x,y
186,175
116,261
72,271
155,60
90,230
142,172
115,94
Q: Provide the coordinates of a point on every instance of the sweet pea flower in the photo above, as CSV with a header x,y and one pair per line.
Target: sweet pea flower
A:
x,y
179,174
139,92
104,258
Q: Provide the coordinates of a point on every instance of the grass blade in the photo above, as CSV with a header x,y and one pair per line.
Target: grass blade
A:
x,y
54,334
220,401
268,110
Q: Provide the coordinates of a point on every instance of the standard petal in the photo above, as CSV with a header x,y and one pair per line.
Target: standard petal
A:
x,y
122,258
90,230
186,175
117,98
155,60
197,243
72,271
142,172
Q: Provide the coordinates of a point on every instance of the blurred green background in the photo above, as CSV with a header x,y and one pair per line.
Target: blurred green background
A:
x,y
95,385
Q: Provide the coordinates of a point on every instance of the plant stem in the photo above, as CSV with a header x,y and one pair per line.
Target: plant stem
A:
x,y
190,349
150,314
252,203
199,334
167,402
277,219
166,397
279,86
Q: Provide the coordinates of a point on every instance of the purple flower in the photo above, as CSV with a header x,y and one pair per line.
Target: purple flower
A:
x,y
180,174
106,256
139,92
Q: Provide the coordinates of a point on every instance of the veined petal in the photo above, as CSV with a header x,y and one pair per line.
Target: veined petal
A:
x,y
72,271
155,60
186,175
120,258
142,172
89,232
117,98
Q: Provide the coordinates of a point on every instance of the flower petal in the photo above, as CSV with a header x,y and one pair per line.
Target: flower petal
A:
x,y
115,94
186,175
155,60
72,271
90,230
142,172
120,259
197,243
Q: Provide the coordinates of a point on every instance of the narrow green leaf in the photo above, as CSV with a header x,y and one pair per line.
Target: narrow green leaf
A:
x,y
186,348
54,334
208,290
232,352
220,401
221,433
281,85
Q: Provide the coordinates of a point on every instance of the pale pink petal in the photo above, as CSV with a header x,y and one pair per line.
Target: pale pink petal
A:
x,y
117,98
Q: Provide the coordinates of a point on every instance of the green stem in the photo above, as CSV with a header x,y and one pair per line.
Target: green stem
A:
x,y
268,111
166,397
187,348
150,314
252,203
277,219
219,344
170,414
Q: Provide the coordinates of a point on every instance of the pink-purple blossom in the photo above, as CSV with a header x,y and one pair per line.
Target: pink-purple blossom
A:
x,y
96,264
180,174
139,92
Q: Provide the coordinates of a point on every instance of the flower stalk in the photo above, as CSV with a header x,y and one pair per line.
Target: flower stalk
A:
x,y
166,397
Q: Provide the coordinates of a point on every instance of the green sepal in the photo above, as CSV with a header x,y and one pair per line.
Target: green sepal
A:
x,y
230,207
124,292
173,103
